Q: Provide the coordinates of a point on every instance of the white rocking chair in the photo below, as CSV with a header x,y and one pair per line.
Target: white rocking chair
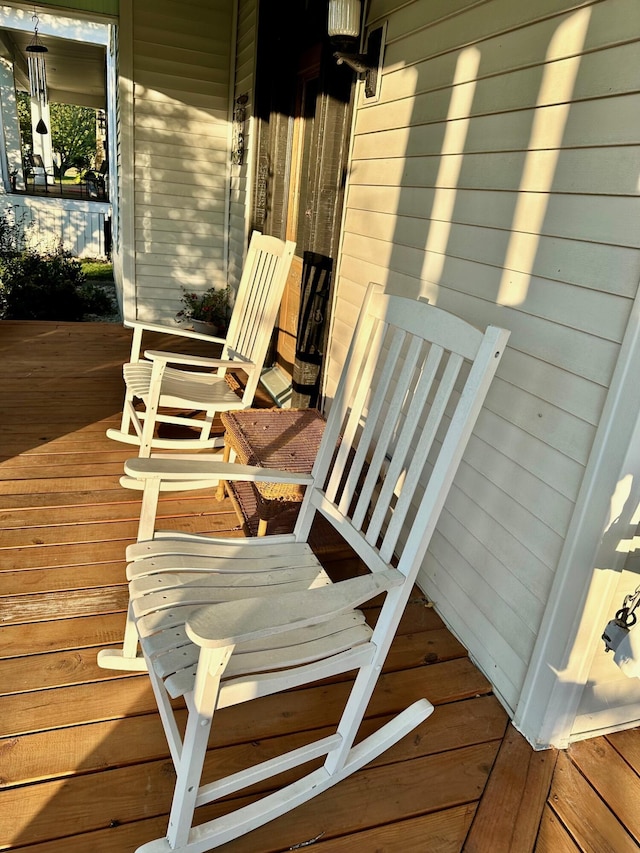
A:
x,y
166,381
225,621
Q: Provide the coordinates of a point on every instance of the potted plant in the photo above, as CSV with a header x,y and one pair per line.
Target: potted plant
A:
x,y
206,312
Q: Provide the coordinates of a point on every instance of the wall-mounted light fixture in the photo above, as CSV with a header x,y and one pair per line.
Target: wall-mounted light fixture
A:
x,y
344,26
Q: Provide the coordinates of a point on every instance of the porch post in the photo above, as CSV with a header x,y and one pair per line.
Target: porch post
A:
x,y
42,141
581,599
11,158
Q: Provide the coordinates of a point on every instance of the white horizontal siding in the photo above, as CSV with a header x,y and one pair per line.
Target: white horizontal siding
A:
x,y
496,176
591,123
448,26
578,217
181,68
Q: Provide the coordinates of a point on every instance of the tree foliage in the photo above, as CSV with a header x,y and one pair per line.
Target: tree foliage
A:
x,y
73,135
24,117
73,132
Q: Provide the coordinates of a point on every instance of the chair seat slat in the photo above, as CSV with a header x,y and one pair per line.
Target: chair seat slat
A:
x,y
183,659
162,582
185,595
204,564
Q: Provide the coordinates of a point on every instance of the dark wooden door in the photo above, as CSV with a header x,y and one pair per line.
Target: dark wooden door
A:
x,y
304,136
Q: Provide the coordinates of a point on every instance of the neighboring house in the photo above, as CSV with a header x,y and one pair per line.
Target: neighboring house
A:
x,y
80,70
493,169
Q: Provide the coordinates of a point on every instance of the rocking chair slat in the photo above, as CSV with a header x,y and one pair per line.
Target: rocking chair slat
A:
x,y
167,543
385,434
425,441
371,433
160,643
359,377
184,660
216,580
177,594
203,564
329,638
244,689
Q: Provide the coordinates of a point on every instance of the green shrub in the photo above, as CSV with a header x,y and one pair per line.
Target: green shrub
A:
x,y
47,287
12,234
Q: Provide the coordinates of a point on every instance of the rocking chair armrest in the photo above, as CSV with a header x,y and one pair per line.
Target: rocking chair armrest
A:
x,y
173,330
200,360
228,623
196,467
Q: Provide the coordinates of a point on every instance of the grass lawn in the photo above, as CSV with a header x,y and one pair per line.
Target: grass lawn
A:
x,y
97,270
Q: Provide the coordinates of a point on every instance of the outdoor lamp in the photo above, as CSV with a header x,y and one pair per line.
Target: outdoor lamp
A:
x,y
344,21
344,31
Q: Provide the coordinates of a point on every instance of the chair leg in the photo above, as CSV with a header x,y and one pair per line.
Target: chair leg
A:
x,y
127,413
127,658
152,404
222,486
129,419
201,704
189,771
206,424
365,682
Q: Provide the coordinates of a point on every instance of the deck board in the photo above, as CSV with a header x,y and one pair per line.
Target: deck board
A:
x,y
514,799
609,776
552,835
585,816
83,760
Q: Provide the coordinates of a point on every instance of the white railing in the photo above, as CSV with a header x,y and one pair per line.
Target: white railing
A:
x,y
48,222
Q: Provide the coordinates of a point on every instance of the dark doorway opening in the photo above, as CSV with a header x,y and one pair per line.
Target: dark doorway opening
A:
x,y
304,108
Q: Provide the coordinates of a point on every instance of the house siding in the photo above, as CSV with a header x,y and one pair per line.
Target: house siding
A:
x,y
496,175
181,87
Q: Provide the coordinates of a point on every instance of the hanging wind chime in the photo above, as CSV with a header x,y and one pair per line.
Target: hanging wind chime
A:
x,y
38,71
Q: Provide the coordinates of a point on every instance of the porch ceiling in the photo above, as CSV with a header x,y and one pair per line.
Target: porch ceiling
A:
x,y
75,70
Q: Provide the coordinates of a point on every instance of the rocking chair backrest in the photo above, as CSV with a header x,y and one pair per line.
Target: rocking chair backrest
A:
x,y
259,293
400,429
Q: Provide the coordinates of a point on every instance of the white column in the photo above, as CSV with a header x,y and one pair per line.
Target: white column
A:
x,y
42,141
11,161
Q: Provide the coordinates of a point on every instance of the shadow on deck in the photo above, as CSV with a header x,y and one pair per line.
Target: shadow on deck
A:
x,y
83,761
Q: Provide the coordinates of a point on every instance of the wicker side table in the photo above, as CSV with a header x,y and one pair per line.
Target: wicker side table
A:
x,y
287,439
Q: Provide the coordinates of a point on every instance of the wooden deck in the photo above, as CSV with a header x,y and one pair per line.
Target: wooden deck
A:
x,y
83,762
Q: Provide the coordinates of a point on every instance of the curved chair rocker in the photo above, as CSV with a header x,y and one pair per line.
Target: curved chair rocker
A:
x,y
225,621
166,382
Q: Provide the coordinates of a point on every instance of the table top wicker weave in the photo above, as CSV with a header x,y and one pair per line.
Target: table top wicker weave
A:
x,y
287,439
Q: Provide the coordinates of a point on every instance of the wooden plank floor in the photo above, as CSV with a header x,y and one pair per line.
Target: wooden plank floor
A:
x,y
83,761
